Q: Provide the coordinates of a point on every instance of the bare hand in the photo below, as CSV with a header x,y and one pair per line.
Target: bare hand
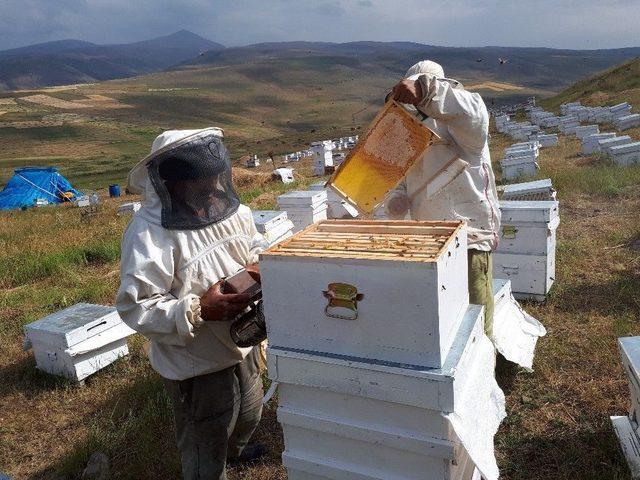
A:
x,y
407,91
216,306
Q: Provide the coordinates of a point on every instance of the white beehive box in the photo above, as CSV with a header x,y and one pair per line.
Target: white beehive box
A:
x,y
626,427
514,168
528,227
526,253
78,341
273,225
628,121
590,143
304,207
627,154
337,207
546,140
267,220
586,130
422,264
346,418
606,144
536,190
531,276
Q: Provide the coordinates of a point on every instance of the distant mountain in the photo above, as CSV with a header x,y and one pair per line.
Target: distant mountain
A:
x,y
74,61
542,68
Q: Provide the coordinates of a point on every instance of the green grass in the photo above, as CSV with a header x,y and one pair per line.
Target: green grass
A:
x,y
604,179
27,266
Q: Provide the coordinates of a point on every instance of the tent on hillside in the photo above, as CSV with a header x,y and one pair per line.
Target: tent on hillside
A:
x,y
36,185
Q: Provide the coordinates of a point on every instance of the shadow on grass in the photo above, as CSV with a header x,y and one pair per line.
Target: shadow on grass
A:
x,y
587,455
133,426
23,376
618,297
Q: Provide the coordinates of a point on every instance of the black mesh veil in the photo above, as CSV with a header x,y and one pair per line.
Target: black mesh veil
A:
x,y
193,181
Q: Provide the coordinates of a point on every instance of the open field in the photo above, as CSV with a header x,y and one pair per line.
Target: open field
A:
x,y
557,426
96,132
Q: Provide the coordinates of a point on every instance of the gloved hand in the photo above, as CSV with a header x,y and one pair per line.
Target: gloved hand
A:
x,y
407,91
398,205
216,306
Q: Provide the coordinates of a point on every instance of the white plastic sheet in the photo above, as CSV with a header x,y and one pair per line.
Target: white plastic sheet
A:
x,y
515,333
478,415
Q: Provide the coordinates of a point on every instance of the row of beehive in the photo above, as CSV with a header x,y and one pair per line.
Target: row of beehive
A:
x,y
373,343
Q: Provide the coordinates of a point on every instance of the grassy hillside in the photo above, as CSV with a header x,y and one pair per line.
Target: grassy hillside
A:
x,y
618,84
558,426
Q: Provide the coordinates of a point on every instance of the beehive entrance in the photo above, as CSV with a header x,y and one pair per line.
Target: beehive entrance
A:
x,y
388,240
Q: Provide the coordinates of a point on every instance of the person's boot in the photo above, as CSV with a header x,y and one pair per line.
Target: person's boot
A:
x,y
251,452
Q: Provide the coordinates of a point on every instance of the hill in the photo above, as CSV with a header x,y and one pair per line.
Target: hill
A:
x,y
538,68
618,84
73,61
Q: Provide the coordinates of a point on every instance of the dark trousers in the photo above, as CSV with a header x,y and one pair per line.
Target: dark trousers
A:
x,y
215,416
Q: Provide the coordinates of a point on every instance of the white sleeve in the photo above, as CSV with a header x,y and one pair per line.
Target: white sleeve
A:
x,y
464,113
258,243
144,301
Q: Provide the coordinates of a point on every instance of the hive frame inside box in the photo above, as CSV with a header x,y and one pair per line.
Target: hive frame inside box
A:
x,y
377,408
303,266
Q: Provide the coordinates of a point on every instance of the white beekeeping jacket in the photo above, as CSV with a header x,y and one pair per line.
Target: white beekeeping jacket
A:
x,y
463,189
163,275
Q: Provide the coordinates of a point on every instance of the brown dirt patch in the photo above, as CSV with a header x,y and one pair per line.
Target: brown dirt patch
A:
x,y
49,101
243,178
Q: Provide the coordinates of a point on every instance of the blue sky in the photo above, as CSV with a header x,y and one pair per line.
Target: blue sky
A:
x,y
560,23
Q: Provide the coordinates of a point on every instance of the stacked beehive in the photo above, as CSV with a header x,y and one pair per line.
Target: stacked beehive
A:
x,y
274,225
586,130
545,139
323,156
626,154
606,144
527,251
337,207
627,121
590,143
384,370
627,426
520,160
304,207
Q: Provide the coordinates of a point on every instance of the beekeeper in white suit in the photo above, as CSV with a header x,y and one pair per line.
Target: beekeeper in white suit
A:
x,y
190,233
463,185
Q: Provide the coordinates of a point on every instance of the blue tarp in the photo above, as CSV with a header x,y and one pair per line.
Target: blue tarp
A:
x,y
31,183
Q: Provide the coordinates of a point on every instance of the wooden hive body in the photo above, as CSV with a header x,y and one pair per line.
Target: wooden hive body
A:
x,y
413,276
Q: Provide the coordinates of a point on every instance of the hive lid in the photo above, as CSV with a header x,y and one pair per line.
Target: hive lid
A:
x,y
266,220
528,211
74,324
302,197
396,240
529,187
625,148
395,140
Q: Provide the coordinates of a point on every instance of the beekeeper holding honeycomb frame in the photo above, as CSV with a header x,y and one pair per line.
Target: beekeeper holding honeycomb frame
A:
x,y
464,188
